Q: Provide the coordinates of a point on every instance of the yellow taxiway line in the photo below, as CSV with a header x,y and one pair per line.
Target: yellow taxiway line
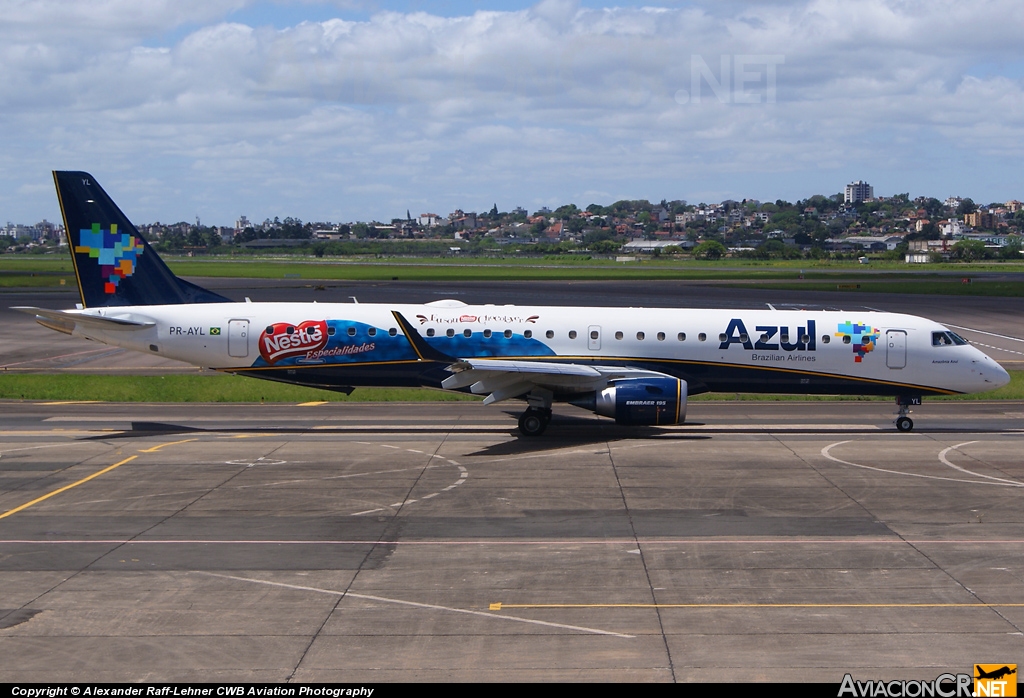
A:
x,y
65,488
84,480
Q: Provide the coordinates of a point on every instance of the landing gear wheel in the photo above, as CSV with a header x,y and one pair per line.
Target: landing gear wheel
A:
x,y
904,424
533,422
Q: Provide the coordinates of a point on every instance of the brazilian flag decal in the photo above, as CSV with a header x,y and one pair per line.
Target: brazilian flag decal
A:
x,y
214,331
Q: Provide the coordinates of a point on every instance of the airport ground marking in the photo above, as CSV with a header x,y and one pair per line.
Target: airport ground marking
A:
x,y
86,479
490,542
65,488
312,404
942,457
825,452
154,449
463,476
417,604
502,606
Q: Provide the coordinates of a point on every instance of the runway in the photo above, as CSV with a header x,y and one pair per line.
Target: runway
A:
x,y
387,542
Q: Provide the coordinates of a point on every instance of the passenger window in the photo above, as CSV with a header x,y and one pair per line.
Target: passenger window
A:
x,y
528,334
847,339
572,334
393,331
467,333
450,332
744,337
804,339
701,337
661,336
763,338
430,331
618,335
330,331
640,336
723,337
372,331
289,330
594,334
784,337
508,334
351,331
825,339
487,334
270,329
550,334
681,336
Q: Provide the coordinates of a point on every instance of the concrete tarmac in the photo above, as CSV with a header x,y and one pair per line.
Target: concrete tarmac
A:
x,y
369,543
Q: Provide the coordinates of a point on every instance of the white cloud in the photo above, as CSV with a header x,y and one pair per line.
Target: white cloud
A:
x,y
541,104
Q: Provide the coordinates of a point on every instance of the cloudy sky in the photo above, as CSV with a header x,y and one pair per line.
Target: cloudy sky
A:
x,y
363,109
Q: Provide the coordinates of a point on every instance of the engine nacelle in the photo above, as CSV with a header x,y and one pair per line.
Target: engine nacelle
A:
x,y
644,401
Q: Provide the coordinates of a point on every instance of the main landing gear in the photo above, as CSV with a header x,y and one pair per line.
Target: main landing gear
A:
x,y
535,419
903,403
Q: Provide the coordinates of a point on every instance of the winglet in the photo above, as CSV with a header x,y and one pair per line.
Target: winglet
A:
x,y
419,345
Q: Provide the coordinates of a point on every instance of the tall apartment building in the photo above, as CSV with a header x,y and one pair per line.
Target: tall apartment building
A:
x,y
858,191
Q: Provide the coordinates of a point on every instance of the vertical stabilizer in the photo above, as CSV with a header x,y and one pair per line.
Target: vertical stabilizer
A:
x,y
113,263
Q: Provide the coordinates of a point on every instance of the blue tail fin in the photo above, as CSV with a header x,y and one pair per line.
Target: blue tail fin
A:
x,y
113,263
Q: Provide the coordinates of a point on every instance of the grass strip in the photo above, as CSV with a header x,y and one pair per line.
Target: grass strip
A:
x,y
227,388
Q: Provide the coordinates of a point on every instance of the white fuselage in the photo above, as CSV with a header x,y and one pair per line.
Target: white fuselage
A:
x,y
747,350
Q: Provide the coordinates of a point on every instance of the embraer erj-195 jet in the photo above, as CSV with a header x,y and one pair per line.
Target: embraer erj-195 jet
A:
x,y
634,365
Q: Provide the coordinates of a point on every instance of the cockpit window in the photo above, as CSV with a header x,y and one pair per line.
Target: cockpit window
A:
x,y
947,339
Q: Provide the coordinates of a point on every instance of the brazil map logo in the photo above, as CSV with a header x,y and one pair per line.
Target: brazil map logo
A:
x,y
863,337
116,253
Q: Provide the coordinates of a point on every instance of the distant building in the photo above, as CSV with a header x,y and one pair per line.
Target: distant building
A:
x,y
1013,206
429,220
858,191
953,202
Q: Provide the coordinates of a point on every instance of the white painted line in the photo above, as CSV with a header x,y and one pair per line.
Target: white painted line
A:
x,y
942,457
368,511
425,606
826,454
990,334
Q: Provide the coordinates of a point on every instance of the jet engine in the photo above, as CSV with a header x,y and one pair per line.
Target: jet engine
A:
x,y
644,401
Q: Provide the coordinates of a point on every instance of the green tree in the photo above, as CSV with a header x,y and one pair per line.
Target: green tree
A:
x,y
968,250
709,249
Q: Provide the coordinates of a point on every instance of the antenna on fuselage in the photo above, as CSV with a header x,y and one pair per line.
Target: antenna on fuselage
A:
x,y
354,300
770,306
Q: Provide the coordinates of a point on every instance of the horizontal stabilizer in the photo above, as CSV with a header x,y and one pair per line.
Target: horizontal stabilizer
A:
x,y
67,320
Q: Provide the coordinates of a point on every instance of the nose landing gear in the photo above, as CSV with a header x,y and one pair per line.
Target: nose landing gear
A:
x,y
903,403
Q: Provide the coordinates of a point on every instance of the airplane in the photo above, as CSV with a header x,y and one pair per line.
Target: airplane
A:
x,y
635,365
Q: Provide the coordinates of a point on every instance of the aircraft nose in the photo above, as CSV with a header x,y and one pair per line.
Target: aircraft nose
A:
x,y
991,373
1000,376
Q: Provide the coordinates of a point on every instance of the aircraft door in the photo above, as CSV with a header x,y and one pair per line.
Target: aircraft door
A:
x,y
896,349
238,338
594,337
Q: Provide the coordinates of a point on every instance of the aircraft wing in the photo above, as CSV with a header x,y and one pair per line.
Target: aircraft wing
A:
x,y
504,379
65,321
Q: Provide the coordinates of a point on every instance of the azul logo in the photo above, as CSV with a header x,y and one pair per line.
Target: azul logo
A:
x,y
863,337
116,253
283,340
770,337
